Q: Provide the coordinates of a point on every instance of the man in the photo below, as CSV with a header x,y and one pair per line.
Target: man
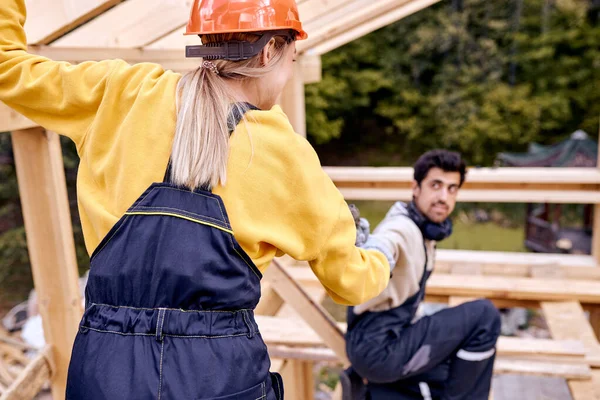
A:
x,y
448,355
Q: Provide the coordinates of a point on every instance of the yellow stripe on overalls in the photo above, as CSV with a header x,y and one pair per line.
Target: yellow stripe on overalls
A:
x,y
182,217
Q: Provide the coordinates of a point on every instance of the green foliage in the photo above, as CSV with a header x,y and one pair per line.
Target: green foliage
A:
x,y
465,75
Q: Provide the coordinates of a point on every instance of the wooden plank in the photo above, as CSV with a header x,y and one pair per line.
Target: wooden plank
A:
x,y
32,379
172,60
350,15
540,368
454,301
315,292
524,347
278,332
292,101
315,354
270,302
596,227
311,10
310,311
276,364
311,68
43,191
495,262
499,303
575,371
329,42
288,331
10,120
484,196
474,175
566,320
594,319
298,380
584,390
49,20
494,287
523,270
133,23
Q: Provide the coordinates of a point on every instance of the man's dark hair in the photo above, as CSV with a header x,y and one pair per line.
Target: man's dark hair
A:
x,y
448,161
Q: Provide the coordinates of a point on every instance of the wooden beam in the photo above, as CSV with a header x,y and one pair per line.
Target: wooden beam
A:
x,y
485,196
596,234
270,302
315,354
43,191
566,320
596,227
310,311
173,41
133,23
311,68
502,259
474,175
10,120
174,60
49,20
492,263
327,43
311,10
541,368
292,101
291,334
494,287
561,185
586,390
298,380
32,379
353,13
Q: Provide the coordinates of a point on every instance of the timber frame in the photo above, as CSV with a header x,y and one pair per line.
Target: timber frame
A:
x,y
152,31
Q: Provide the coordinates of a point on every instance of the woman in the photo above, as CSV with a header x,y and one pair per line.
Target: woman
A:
x,y
177,256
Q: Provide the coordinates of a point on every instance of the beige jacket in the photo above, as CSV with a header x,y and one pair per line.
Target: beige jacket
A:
x,y
404,237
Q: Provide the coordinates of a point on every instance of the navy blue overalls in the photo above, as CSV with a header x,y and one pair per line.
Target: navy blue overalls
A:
x,y
448,355
169,308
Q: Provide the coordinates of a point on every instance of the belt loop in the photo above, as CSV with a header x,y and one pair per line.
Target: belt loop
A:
x,y
159,324
248,321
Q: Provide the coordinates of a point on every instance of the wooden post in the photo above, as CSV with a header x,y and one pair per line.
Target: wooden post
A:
x,y
43,191
309,310
298,380
292,100
595,312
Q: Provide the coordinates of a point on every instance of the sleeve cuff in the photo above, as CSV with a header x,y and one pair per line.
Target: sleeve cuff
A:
x,y
373,243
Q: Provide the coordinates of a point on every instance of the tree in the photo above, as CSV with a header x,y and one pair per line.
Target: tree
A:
x,y
465,75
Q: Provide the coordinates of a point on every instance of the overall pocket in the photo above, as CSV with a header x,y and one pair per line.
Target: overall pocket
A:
x,y
258,392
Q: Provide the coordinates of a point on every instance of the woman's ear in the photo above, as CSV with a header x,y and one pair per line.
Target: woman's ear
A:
x,y
267,53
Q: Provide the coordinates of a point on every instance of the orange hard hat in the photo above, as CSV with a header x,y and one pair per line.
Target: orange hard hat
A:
x,y
229,16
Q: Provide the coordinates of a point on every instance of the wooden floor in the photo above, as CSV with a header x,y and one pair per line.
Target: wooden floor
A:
x,y
520,387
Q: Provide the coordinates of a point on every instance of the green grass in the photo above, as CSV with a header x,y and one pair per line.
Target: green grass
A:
x,y
488,236
466,236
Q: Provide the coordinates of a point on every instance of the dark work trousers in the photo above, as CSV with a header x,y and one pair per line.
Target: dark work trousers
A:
x,y
448,355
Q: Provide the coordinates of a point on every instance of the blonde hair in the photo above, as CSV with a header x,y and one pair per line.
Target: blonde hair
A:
x,y
201,144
